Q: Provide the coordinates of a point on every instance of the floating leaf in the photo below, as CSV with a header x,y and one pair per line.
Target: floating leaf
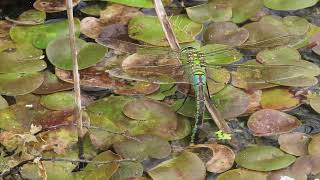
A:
x,y
30,17
221,160
263,158
148,29
226,57
216,11
242,174
58,52
138,88
186,166
314,101
127,169
41,35
52,84
289,5
278,55
294,143
183,128
51,6
268,122
12,84
226,33
278,98
93,9
149,146
118,14
313,146
91,27
3,103
138,3
242,10
58,101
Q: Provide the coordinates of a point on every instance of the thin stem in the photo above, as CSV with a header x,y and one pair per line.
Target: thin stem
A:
x,y
76,79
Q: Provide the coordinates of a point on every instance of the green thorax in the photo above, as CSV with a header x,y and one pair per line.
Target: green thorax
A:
x,y
194,58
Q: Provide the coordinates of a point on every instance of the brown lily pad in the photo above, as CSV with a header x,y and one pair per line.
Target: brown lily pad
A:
x,y
118,14
313,146
314,101
222,158
51,6
91,27
254,101
294,143
187,166
278,98
52,84
138,88
226,33
149,146
268,122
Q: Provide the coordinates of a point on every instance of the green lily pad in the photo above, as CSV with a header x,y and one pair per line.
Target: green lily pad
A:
x,y
226,33
51,6
217,11
58,101
223,57
30,17
242,10
23,58
149,146
93,9
231,102
52,84
149,30
278,55
138,3
278,98
127,169
187,166
295,143
289,5
313,146
3,103
268,122
59,53
41,35
263,158
242,174
12,84
104,171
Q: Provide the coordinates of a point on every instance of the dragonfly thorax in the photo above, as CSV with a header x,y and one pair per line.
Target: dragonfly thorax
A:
x,y
195,58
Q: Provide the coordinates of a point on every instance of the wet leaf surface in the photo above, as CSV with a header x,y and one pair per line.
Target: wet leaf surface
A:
x,y
295,143
263,158
58,101
268,122
186,165
278,98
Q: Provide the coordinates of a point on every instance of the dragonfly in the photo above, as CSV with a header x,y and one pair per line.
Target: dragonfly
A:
x,y
190,66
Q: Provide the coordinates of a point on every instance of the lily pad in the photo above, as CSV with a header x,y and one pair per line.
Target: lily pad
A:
x,y
294,143
187,166
138,88
93,9
289,5
224,55
58,101
242,174
118,14
221,160
242,10
12,84
268,122
278,98
314,101
127,169
91,27
263,158
149,146
226,33
3,103
217,11
278,55
23,58
41,35
149,30
51,6
52,84
30,17
138,3
59,53
313,146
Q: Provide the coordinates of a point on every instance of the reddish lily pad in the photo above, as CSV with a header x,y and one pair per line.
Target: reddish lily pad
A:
x,y
216,11
51,6
138,88
3,103
12,84
187,166
242,174
225,33
263,158
222,159
289,5
254,101
149,146
149,30
58,101
268,122
118,14
313,146
59,53
41,35
52,84
294,143
278,98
